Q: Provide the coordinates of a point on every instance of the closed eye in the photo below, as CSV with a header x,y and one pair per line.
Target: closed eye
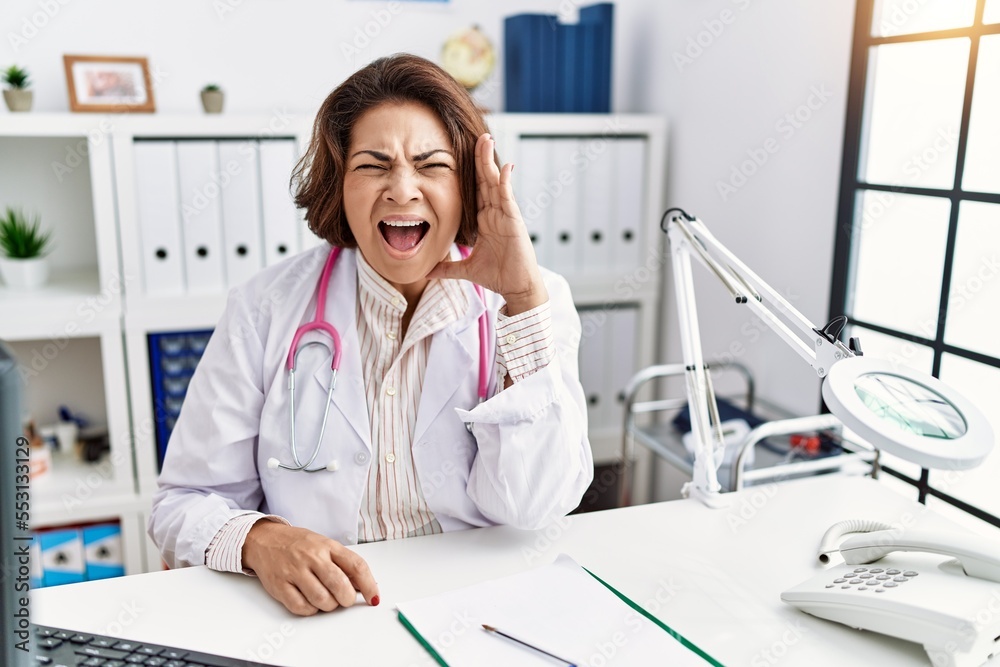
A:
x,y
369,166
435,164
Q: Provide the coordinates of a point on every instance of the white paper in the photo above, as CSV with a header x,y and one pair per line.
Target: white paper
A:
x,y
559,607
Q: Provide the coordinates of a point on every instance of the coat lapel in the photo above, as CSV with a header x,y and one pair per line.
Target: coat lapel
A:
x,y
454,351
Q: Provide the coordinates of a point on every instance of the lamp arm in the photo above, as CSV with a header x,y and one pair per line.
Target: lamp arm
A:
x,y
689,237
819,349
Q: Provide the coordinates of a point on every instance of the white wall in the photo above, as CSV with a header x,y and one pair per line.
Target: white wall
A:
x,y
764,63
732,97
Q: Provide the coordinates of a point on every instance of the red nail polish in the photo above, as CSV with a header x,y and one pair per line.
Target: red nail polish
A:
x,y
375,601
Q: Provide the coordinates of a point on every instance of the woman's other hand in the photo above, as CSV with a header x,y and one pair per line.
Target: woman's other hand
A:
x,y
503,259
305,571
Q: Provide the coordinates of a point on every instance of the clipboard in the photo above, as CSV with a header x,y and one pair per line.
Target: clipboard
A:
x,y
447,624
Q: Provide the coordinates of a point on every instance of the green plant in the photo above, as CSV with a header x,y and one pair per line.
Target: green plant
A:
x,y
16,77
212,88
21,237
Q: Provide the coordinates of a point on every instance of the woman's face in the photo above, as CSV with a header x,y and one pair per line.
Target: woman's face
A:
x,y
402,195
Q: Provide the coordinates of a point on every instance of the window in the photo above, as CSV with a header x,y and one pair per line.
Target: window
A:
x,y
917,264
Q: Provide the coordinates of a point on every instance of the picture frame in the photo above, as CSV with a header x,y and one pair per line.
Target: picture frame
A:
x,y
109,83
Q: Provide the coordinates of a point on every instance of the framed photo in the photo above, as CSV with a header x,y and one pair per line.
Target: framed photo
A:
x,y
108,83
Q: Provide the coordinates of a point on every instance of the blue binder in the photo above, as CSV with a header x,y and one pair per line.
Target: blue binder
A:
x,y
523,34
600,19
569,83
547,63
551,66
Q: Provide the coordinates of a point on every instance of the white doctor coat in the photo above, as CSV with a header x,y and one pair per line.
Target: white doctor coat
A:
x,y
527,462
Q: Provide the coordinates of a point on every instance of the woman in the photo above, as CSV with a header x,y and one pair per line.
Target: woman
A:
x,y
400,169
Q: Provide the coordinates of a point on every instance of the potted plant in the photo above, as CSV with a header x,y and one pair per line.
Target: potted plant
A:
x,y
16,95
23,245
212,98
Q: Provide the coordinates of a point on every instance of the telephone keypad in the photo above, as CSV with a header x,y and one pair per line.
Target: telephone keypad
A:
x,y
875,579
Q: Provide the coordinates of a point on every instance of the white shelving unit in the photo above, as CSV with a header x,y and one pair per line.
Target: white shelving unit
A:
x,y
98,290
60,166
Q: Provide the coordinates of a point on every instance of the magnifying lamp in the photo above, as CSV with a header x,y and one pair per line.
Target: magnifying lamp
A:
x,y
895,409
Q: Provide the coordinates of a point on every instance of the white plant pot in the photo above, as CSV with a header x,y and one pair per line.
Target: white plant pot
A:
x,y
24,273
212,100
18,99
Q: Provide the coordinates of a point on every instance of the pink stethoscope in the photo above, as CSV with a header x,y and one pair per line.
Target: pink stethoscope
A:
x,y
319,322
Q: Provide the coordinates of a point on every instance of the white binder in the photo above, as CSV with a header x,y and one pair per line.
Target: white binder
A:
x,y
536,206
629,203
281,218
621,351
597,191
563,182
242,228
159,217
594,362
200,194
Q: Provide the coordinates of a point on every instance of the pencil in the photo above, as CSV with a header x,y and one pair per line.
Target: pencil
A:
x,y
491,629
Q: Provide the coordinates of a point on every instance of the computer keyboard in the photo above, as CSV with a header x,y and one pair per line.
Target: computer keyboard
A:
x,y
66,648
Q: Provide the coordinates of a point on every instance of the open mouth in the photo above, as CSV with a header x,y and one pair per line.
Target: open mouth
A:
x,y
403,235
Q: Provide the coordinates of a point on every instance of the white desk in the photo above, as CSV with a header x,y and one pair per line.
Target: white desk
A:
x,y
713,575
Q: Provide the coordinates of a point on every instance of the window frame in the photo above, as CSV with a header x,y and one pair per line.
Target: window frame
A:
x,y
851,185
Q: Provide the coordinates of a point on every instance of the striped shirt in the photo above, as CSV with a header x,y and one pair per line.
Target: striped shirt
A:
x,y
394,369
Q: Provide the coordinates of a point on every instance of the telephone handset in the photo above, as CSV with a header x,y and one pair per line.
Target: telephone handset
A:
x,y
951,607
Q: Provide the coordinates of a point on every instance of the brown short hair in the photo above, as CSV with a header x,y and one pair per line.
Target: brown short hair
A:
x,y
318,178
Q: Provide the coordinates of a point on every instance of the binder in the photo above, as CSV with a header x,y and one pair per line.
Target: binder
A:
x,y
550,66
588,100
159,217
62,557
546,63
102,548
533,201
281,219
568,75
594,360
597,21
200,192
522,40
562,182
597,210
242,228
624,341
629,203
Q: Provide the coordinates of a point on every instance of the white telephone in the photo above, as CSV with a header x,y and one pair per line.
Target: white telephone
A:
x,y
951,607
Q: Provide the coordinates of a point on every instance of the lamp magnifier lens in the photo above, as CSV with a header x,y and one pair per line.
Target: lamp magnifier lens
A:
x,y
910,406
